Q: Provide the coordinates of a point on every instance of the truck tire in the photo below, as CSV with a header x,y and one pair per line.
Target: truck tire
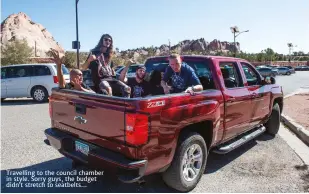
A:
x,y
39,94
185,171
273,123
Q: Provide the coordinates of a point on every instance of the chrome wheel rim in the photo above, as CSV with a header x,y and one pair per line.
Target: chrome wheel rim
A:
x,y
192,162
38,94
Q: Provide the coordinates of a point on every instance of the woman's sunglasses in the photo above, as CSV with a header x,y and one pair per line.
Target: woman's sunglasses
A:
x,y
107,40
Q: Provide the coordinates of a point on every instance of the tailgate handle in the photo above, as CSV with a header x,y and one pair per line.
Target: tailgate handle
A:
x,y
80,108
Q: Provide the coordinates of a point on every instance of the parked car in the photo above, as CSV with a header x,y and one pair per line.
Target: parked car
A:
x,y
267,72
284,71
292,70
272,67
302,68
305,68
169,134
275,71
30,80
130,73
119,67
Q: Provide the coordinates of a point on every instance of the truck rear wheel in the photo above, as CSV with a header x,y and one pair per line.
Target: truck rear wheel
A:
x,y
188,164
273,124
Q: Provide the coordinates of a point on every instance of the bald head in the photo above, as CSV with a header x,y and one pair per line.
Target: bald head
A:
x,y
76,74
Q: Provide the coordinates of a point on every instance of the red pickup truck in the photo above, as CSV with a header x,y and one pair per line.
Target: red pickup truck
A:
x,y
169,134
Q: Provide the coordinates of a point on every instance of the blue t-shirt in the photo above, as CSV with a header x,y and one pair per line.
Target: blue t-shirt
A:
x,y
181,80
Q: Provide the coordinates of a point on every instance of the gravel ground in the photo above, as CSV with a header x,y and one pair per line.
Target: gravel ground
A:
x,y
262,165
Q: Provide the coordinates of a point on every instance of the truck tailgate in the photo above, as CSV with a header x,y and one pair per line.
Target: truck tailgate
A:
x,y
100,117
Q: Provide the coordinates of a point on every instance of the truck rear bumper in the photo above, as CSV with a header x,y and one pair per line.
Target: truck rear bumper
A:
x,y
127,170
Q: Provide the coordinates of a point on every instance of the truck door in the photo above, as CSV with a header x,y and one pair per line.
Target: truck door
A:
x,y
237,99
260,94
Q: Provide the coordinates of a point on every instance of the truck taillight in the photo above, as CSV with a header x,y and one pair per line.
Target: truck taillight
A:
x,y
136,129
55,79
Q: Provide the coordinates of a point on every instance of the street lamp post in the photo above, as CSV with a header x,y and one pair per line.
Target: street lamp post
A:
x,y
76,44
169,46
77,38
236,33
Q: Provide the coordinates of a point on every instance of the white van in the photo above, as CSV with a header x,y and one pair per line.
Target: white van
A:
x,y
30,80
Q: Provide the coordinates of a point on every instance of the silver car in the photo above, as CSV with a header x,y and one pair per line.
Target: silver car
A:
x,y
266,72
284,71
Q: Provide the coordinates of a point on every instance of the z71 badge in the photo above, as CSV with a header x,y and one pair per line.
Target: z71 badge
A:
x,y
155,104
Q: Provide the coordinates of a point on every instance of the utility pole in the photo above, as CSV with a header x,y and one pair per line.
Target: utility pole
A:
x,y
169,46
236,33
77,38
76,44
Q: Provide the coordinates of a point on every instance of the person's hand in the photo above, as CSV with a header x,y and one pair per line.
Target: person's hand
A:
x,y
189,90
130,62
167,89
91,58
76,83
57,57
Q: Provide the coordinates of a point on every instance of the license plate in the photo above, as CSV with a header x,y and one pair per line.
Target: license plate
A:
x,y
81,147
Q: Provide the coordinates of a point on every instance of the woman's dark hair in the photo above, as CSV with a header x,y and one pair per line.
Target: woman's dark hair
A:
x,y
155,78
109,52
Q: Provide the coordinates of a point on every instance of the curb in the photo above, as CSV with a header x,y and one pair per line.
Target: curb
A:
x,y
299,130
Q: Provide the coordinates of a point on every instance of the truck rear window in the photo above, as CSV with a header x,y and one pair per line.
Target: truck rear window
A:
x,y
201,67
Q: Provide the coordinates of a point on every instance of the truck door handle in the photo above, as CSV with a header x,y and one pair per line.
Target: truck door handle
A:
x,y
254,95
231,99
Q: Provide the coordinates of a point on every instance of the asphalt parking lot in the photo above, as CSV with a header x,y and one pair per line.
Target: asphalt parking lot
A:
x,y
262,165
292,82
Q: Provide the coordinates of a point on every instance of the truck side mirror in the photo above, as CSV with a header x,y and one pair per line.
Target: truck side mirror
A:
x,y
269,80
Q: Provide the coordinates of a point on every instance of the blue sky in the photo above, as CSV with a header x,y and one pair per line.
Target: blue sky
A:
x,y
136,23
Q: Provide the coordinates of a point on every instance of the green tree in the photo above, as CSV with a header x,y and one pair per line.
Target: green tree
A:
x,y
70,59
16,52
117,60
141,58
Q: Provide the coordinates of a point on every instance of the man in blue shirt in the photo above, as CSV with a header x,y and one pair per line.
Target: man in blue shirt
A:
x,y
183,77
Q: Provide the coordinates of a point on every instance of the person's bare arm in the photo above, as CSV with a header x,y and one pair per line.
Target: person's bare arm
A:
x,y
85,66
196,84
196,88
165,87
79,87
60,76
86,90
123,74
58,60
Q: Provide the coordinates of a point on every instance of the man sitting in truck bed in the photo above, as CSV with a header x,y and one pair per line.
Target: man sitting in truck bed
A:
x,y
139,87
76,76
183,77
